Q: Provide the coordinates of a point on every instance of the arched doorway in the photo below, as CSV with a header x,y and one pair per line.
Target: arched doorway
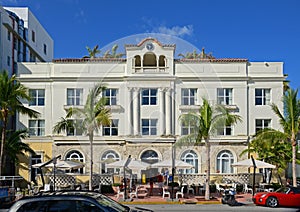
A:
x,y
151,157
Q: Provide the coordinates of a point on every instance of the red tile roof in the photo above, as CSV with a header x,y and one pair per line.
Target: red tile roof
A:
x,y
91,60
215,60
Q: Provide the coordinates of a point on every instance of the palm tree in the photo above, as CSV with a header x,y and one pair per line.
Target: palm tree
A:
x,y
12,92
271,148
113,53
92,53
15,147
205,124
93,116
289,122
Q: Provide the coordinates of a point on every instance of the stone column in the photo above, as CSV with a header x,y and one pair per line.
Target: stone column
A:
x,y
162,110
136,110
168,112
129,111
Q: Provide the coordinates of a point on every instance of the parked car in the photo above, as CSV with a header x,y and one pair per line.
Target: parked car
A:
x,y
285,196
65,201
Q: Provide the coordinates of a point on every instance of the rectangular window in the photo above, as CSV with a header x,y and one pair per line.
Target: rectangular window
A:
x,y
149,126
262,96
8,60
111,96
149,96
224,96
75,127
111,130
74,96
37,97
188,96
35,159
33,36
227,130
36,127
45,49
187,129
262,124
8,35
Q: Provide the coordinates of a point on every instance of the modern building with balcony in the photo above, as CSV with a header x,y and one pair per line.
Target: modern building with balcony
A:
x,y
147,91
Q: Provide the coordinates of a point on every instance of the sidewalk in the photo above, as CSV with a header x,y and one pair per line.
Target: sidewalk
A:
x,y
189,199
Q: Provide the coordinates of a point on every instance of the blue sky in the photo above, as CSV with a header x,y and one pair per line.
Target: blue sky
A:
x,y
259,30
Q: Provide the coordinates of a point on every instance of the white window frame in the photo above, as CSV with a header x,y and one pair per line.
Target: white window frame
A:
x,y
75,98
114,125
188,156
266,123
77,129
152,126
222,156
190,98
224,96
149,96
225,131
38,128
265,96
111,99
75,155
37,97
110,154
187,127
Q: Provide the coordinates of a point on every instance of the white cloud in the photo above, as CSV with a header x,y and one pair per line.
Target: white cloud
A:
x,y
175,30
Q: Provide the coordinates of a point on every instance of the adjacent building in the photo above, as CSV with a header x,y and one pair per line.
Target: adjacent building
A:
x,y
147,91
22,39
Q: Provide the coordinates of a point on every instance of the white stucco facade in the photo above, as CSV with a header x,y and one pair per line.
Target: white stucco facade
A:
x,y
146,128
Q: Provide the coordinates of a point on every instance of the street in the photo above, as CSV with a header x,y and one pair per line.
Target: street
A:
x,y
212,207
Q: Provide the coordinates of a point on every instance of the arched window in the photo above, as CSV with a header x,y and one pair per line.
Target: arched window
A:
x,y
149,60
224,161
109,157
190,157
149,156
75,155
137,61
162,61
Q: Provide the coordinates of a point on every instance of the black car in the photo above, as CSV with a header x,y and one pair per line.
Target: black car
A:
x,y
65,201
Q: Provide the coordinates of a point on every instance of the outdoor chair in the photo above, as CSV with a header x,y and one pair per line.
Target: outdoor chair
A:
x,y
202,189
219,189
180,193
120,193
190,189
247,189
134,193
165,193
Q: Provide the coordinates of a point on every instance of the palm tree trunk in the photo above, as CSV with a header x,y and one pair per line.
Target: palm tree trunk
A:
x,y
3,138
91,161
294,164
207,182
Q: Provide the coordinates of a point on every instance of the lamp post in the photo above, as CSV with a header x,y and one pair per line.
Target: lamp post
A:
x,y
125,181
173,166
54,161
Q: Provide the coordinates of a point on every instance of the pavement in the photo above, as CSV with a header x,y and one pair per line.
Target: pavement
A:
x,y
244,199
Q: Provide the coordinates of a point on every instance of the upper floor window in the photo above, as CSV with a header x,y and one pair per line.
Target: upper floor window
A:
x,y
111,96
37,97
37,127
75,127
149,96
149,126
188,96
224,161
224,96
261,124
45,49
112,129
227,130
262,96
187,129
74,96
8,60
33,36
